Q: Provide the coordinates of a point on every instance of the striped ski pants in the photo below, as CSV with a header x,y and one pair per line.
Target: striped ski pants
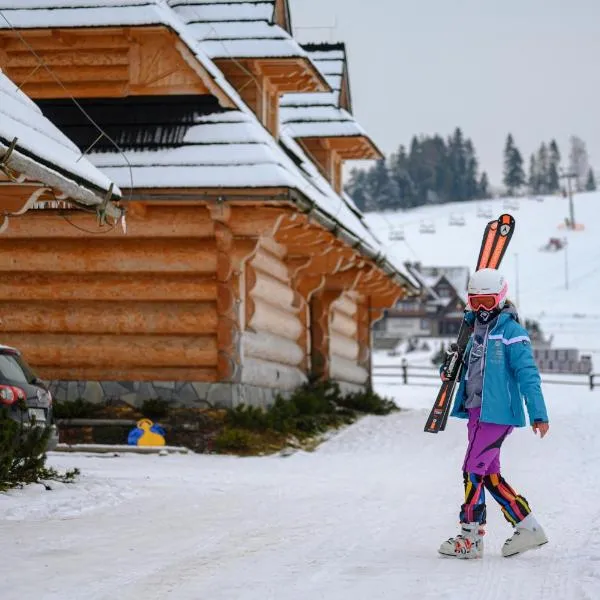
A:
x,y
481,472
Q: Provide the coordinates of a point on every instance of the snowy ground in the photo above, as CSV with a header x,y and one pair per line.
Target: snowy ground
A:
x,y
360,519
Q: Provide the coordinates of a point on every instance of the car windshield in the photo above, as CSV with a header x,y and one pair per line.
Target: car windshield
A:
x,y
13,368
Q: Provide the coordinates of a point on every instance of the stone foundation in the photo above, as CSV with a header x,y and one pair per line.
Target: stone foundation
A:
x,y
178,393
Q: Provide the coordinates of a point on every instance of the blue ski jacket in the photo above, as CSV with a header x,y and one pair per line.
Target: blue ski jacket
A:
x,y
510,377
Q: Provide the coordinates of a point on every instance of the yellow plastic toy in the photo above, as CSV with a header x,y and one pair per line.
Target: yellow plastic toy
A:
x,y
149,434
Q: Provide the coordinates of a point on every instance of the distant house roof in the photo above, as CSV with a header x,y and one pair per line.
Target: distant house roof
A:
x,y
42,152
324,114
429,277
457,277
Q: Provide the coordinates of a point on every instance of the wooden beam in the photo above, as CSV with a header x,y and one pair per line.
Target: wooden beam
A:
x,y
96,317
142,222
104,255
172,287
67,350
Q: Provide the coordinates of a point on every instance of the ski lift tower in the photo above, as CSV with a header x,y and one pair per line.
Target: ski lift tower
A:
x,y
568,177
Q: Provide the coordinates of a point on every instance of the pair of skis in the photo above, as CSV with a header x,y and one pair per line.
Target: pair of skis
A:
x,y
496,238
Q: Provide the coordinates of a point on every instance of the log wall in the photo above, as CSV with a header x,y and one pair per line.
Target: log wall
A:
x,y
141,306
346,349
272,351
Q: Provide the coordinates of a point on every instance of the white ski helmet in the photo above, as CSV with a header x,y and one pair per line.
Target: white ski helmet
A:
x,y
488,282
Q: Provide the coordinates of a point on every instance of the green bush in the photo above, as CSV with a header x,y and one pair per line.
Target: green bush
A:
x,y
313,408
23,455
234,440
368,402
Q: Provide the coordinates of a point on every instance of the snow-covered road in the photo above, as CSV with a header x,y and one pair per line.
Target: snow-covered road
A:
x,y
360,519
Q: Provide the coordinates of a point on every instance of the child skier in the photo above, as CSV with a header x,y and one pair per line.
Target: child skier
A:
x,y
499,374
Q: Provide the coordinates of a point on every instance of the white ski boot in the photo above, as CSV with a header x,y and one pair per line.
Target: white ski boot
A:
x,y
528,535
467,544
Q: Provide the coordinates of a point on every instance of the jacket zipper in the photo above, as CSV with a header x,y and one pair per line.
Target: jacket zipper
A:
x,y
484,358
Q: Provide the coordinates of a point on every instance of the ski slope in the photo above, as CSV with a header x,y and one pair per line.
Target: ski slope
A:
x,y
359,519
567,307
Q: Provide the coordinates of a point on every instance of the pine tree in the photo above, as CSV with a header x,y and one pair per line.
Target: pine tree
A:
x,y
357,188
514,176
533,181
483,190
458,165
553,168
472,166
590,184
380,188
401,178
543,166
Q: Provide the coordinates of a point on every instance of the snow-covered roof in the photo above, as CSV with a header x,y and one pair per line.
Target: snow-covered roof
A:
x,y
237,28
317,120
323,114
42,152
221,150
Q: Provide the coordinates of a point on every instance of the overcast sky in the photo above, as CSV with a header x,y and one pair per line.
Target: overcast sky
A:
x,y
531,67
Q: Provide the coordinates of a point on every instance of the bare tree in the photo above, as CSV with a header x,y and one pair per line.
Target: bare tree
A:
x,y
578,162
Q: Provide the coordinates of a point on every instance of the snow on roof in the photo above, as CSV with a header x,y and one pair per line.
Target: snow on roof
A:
x,y
320,114
332,62
237,28
42,151
319,121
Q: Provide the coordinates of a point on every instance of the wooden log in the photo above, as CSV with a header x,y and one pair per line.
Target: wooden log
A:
x,y
205,374
271,319
270,347
274,291
343,324
270,245
342,369
345,347
117,318
59,350
105,255
154,221
228,296
107,286
272,375
345,305
268,263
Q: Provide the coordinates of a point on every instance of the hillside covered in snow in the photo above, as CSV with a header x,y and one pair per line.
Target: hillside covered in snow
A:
x,y
560,289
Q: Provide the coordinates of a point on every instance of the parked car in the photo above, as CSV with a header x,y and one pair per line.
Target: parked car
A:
x,y
25,395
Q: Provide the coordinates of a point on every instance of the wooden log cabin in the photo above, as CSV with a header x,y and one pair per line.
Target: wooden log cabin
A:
x,y
244,268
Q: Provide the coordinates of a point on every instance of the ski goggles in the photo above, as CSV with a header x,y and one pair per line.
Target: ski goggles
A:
x,y
485,301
